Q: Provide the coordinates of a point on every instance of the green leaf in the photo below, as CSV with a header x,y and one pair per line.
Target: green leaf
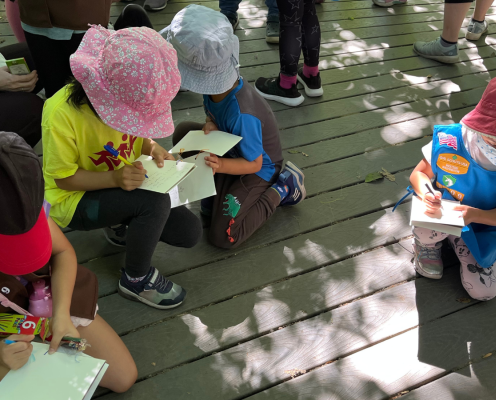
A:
x,y
293,151
351,18
389,176
373,177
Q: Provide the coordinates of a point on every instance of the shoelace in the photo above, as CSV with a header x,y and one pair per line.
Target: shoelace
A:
x,y
160,283
430,252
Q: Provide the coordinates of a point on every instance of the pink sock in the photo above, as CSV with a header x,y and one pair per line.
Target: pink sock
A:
x,y
287,81
310,71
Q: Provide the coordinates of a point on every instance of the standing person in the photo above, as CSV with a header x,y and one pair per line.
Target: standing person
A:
x,y
20,108
124,83
445,48
248,179
14,18
230,9
32,247
300,30
54,29
461,159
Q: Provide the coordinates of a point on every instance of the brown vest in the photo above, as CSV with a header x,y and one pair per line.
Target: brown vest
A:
x,y
68,14
84,296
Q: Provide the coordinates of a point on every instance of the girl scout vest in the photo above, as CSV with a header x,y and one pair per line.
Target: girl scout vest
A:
x,y
460,178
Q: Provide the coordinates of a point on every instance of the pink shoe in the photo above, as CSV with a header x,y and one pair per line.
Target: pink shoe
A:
x,y
388,3
428,260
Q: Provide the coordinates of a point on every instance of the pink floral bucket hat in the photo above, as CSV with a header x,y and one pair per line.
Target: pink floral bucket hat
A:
x,y
130,76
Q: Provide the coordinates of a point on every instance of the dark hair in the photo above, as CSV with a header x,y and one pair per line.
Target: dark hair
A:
x,y
77,96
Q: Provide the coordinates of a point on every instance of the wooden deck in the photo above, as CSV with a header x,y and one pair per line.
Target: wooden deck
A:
x,y
323,302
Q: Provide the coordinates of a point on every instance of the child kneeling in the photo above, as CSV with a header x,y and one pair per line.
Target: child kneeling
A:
x,y
32,247
462,160
249,181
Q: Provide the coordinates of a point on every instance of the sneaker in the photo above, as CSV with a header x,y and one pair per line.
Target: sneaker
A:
x,y
155,5
272,30
312,85
116,235
436,51
476,29
155,290
292,178
428,260
270,89
388,3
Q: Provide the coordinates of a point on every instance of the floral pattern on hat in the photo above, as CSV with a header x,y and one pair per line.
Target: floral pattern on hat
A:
x,y
130,77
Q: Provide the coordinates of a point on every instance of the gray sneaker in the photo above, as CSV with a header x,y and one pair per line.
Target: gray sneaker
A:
x,y
475,30
436,51
428,260
155,290
272,30
155,5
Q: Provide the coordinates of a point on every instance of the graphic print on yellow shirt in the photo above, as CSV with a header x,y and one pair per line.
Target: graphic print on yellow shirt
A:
x,y
73,139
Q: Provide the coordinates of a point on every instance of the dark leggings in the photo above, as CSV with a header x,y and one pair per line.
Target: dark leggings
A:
x,y
300,30
149,219
52,56
21,111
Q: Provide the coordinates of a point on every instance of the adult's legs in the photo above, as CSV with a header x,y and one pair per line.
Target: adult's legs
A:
x,y
481,8
52,59
229,8
133,15
14,18
107,345
454,14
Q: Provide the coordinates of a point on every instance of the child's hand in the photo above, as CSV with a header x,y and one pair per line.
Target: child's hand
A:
x,y
15,355
432,204
214,162
61,326
469,213
160,154
130,177
209,127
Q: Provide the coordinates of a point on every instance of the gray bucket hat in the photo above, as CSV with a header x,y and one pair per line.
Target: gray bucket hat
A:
x,y
207,49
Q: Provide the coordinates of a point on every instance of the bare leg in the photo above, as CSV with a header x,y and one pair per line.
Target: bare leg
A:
x,y
107,345
454,14
481,7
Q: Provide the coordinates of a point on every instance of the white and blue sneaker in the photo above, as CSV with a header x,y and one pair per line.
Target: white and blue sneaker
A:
x,y
154,290
290,185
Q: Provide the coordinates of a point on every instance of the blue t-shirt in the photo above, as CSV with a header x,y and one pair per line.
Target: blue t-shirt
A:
x,y
243,112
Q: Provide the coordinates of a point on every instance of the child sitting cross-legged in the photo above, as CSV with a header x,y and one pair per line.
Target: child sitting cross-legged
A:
x,y
249,181
462,161
32,247
124,83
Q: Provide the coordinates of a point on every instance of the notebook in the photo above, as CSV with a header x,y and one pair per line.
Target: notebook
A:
x,y
215,142
199,184
56,377
162,180
445,220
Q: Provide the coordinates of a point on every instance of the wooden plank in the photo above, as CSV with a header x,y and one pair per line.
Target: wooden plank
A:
x,y
268,360
343,173
319,212
250,315
475,381
409,360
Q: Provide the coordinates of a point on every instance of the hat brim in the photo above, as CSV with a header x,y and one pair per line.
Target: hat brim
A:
x,y
480,123
27,252
113,112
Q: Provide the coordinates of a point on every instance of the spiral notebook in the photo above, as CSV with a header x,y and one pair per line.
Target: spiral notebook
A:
x,y
445,220
60,376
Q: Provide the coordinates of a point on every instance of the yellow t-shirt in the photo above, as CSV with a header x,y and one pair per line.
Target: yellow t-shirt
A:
x,y
72,139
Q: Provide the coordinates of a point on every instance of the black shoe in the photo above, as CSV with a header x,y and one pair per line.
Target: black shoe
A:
x,y
270,89
234,22
312,85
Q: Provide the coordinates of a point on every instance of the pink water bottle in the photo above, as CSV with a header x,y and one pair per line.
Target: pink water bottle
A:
x,y
40,301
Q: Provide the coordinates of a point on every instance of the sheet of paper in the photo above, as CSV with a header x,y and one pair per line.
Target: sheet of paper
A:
x,y
162,180
199,184
446,219
57,377
215,142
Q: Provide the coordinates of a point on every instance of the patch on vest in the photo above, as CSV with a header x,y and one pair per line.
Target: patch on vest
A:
x,y
233,206
457,195
448,180
446,139
453,163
